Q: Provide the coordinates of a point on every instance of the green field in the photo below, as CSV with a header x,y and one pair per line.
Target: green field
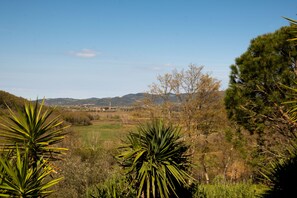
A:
x,y
101,131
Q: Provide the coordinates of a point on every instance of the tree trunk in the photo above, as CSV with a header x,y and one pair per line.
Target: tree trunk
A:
x,y
204,168
227,164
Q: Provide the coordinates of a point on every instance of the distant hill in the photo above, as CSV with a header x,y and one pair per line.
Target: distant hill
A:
x,y
7,99
10,100
126,100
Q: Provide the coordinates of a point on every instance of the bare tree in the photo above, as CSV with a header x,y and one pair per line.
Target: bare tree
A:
x,y
191,99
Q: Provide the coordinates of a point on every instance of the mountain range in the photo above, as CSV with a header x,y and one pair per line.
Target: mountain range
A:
x,y
7,99
126,100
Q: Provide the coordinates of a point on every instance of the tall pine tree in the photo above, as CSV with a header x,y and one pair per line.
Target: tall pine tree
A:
x,y
256,93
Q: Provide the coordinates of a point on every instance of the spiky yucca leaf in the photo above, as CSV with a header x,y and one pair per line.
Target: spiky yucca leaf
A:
x,y
294,28
33,128
155,157
282,175
20,179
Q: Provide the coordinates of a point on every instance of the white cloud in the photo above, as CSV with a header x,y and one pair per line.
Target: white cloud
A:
x,y
160,67
156,68
168,65
85,53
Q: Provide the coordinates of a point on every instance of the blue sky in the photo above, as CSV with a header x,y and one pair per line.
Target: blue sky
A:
x,y
107,48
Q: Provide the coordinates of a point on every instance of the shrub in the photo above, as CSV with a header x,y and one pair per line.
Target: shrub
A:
x,y
115,187
84,167
228,190
77,118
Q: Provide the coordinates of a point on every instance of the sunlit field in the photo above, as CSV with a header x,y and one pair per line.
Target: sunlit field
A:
x,y
108,127
101,131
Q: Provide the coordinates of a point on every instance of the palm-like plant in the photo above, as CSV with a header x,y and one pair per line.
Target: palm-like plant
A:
x,y
20,179
156,159
293,23
34,129
282,176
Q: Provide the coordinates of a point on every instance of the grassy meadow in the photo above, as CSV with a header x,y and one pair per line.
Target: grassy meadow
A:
x,y
100,131
107,127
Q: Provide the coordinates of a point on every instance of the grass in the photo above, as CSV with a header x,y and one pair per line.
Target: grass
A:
x,y
229,190
101,131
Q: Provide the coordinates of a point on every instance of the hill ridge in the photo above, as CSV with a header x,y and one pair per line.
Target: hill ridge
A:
x,y
125,100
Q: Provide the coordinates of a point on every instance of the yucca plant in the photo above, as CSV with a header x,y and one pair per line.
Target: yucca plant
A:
x,y
282,175
156,159
293,23
34,129
20,179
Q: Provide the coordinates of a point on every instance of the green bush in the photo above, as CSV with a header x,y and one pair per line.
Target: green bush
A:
x,y
228,190
77,118
115,187
84,167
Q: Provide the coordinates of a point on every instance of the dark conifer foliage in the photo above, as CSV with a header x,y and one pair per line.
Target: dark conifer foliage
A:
x,y
255,95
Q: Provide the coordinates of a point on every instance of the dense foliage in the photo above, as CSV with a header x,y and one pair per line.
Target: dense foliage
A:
x,y
255,96
282,173
257,92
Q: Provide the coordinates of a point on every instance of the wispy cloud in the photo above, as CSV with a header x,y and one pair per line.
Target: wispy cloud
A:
x,y
163,67
168,65
156,68
159,67
85,53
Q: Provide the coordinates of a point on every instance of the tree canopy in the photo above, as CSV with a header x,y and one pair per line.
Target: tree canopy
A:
x,y
256,90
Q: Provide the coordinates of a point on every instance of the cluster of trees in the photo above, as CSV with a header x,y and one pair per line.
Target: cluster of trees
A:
x,y
262,98
197,108
262,84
